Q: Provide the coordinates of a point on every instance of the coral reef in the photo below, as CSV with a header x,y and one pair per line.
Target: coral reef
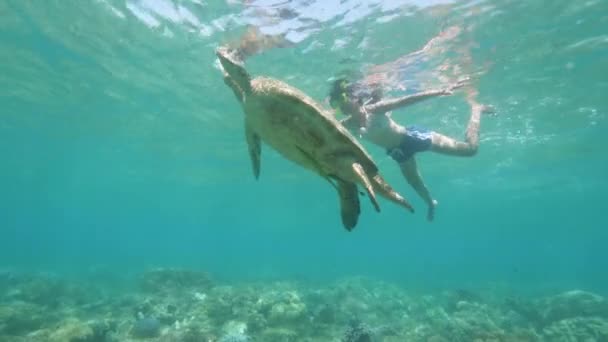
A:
x,y
179,305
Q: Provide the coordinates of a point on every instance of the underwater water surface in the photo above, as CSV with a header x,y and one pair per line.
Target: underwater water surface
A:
x,y
123,151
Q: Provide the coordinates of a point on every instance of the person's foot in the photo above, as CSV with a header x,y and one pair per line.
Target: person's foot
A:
x,y
456,85
487,109
430,215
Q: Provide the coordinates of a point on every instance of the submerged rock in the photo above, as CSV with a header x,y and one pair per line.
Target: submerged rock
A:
x,y
523,312
573,304
168,280
192,329
358,332
146,328
19,317
454,297
225,303
164,309
285,308
234,337
577,329
325,314
234,328
279,334
74,330
44,289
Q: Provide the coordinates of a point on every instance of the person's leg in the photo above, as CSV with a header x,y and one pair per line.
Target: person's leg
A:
x,y
450,146
410,172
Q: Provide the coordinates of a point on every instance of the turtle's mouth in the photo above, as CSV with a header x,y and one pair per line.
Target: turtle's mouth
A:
x,y
222,51
227,55
222,54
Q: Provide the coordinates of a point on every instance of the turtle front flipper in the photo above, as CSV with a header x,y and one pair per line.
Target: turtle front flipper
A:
x,y
362,176
349,204
255,149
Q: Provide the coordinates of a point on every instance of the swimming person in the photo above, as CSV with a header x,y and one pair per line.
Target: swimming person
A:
x,y
369,117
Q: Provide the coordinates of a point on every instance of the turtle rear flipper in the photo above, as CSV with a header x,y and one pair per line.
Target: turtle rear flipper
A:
x,y
349,204
388,192
350,207
359,174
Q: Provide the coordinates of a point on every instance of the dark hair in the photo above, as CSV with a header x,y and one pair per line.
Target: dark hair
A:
x,y
353,90
339,87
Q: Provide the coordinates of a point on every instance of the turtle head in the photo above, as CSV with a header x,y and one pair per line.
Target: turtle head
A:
x,y
234,70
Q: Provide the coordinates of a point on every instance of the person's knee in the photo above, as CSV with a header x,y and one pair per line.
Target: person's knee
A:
x,y
407,173
410,180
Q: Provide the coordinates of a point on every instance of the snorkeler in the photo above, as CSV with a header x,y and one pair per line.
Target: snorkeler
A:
x,y
369,117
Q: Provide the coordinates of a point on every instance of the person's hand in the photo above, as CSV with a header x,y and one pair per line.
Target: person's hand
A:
x,y
431,211
458,84
447,92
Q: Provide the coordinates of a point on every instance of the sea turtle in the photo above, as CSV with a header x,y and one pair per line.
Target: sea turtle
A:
x,y
302,131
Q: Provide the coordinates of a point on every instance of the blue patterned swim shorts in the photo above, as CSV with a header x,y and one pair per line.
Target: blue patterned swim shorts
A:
x,y
416,139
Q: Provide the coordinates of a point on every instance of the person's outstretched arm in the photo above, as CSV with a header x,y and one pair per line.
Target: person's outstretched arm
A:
x,y
388,105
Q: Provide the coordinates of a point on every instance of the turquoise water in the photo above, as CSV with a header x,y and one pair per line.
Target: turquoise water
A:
x,y
122,149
